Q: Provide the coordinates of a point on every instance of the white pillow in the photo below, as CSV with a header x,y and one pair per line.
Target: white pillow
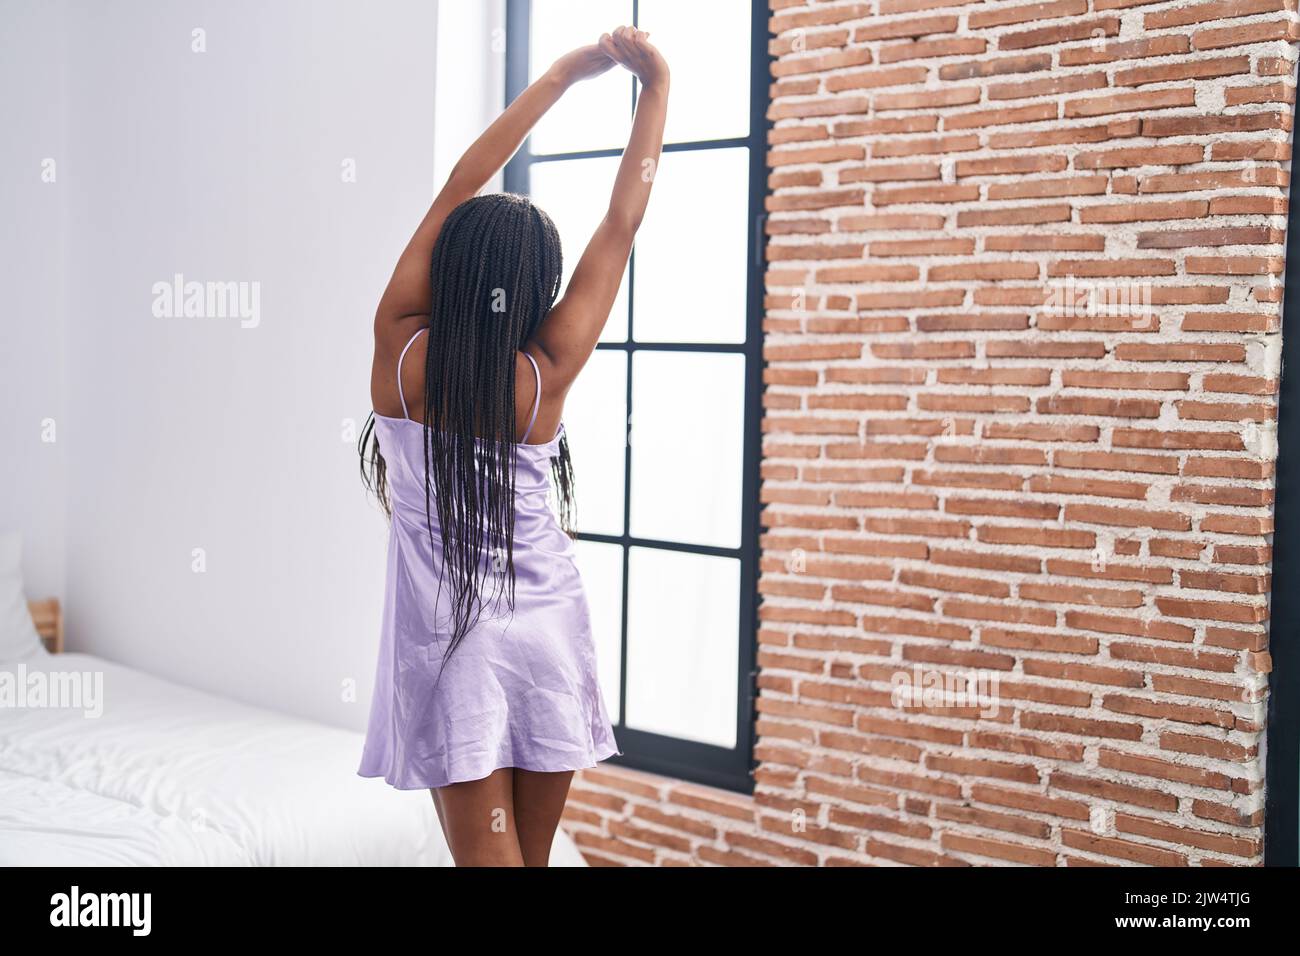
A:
x,y
18,637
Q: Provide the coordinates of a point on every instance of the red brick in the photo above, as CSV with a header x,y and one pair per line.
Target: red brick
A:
x,y
959,474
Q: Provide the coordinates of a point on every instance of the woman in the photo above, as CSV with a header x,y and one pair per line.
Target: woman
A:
x,y
486,691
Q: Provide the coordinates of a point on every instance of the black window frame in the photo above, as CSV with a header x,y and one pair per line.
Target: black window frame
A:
x,y
730,769
1282,730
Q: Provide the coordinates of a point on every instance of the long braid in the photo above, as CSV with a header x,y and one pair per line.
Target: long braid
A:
x,y
374,470
496,270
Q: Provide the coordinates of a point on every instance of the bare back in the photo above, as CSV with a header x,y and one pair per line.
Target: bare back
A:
x,y
386,397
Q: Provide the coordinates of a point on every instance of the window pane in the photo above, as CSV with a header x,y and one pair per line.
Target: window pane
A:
x,y
707,49
683,645
601,567
687,446
595,419
575,194
593,114
691,253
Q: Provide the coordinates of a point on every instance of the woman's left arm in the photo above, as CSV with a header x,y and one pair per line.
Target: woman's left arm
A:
x,y
409,290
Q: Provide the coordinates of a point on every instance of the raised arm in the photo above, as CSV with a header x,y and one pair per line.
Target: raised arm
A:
x,y
568,335
408,292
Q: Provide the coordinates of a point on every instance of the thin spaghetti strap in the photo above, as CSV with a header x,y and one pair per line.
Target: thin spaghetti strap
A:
x,y
537,399
400,359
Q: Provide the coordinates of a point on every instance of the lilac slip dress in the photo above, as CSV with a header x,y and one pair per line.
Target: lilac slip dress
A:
x,y
520,689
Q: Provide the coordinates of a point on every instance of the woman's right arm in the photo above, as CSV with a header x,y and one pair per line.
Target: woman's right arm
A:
x,y
568,335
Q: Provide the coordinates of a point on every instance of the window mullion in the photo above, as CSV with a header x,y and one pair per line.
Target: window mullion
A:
x,y
627,516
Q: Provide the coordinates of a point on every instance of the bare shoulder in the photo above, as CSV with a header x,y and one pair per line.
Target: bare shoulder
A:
x,y
391,339
550,403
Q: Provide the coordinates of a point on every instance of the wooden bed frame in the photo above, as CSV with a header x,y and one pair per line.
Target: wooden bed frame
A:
x,y
47,615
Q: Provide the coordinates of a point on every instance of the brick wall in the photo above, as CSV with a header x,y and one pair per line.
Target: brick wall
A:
x,y
968,471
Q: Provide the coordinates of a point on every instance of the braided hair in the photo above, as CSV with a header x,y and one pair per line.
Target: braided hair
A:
x,y
496,273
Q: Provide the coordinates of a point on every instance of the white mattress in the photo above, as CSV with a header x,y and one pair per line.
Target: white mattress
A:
x,y
173,776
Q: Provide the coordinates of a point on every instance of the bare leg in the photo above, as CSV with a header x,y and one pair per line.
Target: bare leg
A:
x,y
478,818
539,802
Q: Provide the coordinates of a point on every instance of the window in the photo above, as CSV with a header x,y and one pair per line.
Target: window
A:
x,y
664,421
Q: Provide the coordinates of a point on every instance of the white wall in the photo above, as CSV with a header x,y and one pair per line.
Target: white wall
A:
x,y
196,433
472,77
34,174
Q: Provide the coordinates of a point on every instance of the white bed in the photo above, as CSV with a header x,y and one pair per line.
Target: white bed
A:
x,y
173,776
